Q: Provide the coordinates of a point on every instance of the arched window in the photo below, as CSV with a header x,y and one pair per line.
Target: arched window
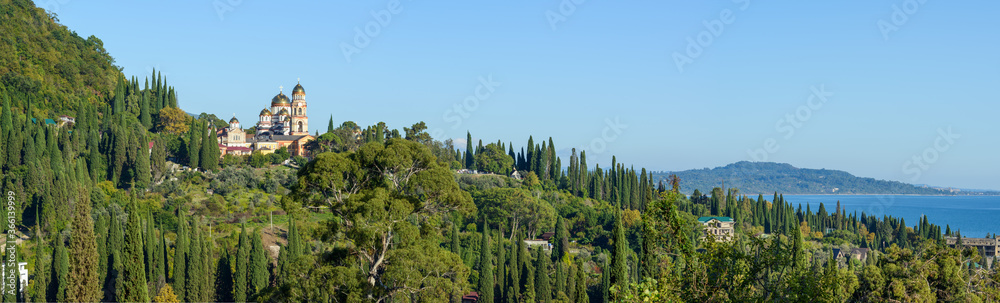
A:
x,y
300,126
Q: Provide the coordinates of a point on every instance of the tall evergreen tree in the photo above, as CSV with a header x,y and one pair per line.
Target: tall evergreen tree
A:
x,y
133,288
209,150
242,287
84,285
486,274
470,159
180,255
619,262
501,265
581,287
40,283
193,271
60,272
456,245
194,138
329,127
224,279
543,290
115,247
259,276
561,245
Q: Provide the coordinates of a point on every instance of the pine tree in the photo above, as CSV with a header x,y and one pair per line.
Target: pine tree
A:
x,y
242,287
259,276
486,273
134,288
543,290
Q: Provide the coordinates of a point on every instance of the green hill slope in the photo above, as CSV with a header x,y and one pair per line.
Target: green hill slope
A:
x,y
45,62
769,177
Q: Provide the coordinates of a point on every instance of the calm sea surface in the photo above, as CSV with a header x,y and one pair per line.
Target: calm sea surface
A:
x,y
973,215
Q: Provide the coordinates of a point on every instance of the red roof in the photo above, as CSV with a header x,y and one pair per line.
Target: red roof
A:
x,y
238,148
548,235
471,296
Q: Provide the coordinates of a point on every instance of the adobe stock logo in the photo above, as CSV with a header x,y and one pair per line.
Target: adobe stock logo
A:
x,y
791,122
899,17
363,37
920,163
713,29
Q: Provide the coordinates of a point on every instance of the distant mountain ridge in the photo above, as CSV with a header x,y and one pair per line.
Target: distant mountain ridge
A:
x,y
768,177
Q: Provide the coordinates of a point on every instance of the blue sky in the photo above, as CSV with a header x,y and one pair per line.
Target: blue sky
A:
x,y
603,75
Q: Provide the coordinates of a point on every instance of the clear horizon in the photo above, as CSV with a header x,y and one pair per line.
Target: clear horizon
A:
x,y
894,90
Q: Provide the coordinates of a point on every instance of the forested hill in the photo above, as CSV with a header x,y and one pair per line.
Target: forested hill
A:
x,y
45,62
770,177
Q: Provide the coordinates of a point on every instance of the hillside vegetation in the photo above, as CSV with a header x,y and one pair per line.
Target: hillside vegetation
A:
x,y
770,177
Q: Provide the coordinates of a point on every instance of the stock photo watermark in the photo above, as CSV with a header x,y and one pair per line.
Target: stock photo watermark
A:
x,y
791,122
225,6
10,284
460,111
609,134
364,35
901,14
714,28
562,13
921,162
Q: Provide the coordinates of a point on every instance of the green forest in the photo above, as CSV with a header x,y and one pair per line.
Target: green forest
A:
x,y
131,201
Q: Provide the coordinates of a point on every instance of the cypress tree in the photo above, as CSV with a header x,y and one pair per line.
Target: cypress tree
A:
x,y
115,247
60,271
210,151
486,273
134,288
513,269
456,246
84,285
470,159
40,283
151,249
561,247
501,272
224,279
161,265
259,276
329,127
144,112
193,274
619,262
571,282
180,255
560,278
208,281
142,169
193,151
606,282
241,289
581,287
543,290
